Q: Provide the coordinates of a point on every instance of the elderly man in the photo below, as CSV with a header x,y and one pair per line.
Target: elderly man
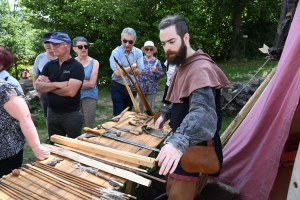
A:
x,y
37,69
62,79
119,94
195,112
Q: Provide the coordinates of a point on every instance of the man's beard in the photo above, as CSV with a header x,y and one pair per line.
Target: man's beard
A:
x,y
179,57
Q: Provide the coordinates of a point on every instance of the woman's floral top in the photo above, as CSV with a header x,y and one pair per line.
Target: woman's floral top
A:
x,y
12,139
148,79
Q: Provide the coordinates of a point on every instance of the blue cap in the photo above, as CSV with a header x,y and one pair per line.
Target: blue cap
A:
x,y
46,36
58,37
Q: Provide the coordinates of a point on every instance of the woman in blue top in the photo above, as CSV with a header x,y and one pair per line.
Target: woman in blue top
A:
x,y
151,73
89,90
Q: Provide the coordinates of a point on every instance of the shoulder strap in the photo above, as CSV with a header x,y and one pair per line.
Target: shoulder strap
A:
x,y
92,65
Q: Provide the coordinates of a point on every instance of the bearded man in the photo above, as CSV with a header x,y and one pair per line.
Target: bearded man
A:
x,y
195,112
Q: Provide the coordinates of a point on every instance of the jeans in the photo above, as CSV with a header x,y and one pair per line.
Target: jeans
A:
x,y
120,98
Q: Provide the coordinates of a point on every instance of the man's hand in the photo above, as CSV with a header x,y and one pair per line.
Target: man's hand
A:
x,y
168,159
133,66
42,78
159,124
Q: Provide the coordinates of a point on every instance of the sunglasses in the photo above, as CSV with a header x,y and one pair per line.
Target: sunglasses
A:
x,y
125,41
81,46
148,49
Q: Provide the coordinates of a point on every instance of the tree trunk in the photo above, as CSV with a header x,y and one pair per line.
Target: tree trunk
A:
x,y
238,11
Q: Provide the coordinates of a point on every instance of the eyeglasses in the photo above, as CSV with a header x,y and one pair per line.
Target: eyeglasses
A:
x,y
57,45
148,49
46,42
81,46
125,41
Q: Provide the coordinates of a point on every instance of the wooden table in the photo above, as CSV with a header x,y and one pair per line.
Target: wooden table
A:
x,y
65,165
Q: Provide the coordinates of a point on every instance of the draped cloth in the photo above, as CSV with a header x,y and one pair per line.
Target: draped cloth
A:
x,y
196,72
252,155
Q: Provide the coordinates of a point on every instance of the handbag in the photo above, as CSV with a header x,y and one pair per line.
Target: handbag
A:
x,y
202,159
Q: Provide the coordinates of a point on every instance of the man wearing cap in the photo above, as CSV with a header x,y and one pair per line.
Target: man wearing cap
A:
x,y
150,75
37,69
119,94
62,79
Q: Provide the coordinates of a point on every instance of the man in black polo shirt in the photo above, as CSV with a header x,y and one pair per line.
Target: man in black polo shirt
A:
x,y
62,79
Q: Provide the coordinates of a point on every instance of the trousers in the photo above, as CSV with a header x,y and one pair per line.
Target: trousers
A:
x,y
184,190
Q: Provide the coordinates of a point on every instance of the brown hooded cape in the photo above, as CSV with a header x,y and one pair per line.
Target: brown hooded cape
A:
x,y
196,72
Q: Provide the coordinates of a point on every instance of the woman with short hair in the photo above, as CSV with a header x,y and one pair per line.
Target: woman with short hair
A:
x,y
89,90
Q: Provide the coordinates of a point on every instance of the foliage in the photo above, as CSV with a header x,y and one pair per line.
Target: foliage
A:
x,y
236,71
211,23
17,35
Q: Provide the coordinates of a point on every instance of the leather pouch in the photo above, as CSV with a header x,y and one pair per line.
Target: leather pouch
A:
x,y
202,159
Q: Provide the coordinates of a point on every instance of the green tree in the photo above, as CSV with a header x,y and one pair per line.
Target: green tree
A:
x,y
215,26
17,36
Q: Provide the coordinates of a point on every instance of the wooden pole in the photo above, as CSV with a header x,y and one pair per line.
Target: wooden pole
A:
x,y
134,103
138,90
245,110
41,186
13,190
58,182
67,176
144,101
32,194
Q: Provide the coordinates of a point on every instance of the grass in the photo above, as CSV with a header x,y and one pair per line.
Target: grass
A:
x,y
235,71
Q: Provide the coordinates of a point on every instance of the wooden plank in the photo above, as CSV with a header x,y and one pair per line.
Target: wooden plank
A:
x,y
104,159
294,187
93,148
110,169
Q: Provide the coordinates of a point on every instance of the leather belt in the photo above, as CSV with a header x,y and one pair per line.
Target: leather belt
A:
x,y
114,83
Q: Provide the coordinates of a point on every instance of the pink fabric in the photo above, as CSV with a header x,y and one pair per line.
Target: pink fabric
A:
x,y
252,155
186,78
